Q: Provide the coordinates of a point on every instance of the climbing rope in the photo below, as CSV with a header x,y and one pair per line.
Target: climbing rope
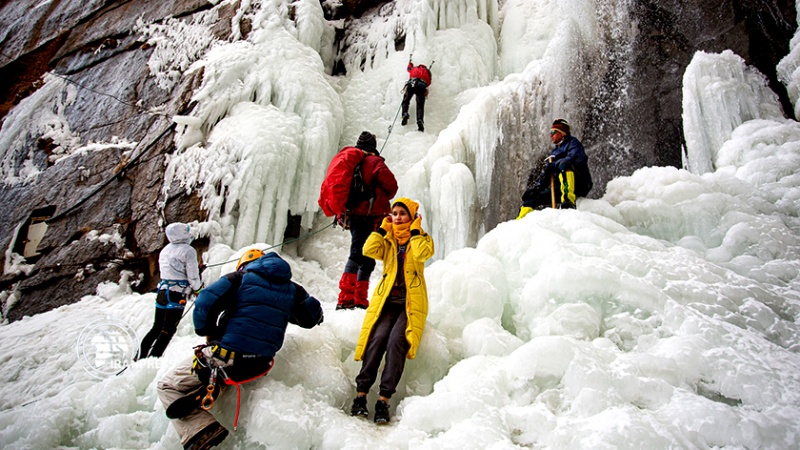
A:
x,y
132,162
208,401
102,185
132,105
188,308
205,266
391,127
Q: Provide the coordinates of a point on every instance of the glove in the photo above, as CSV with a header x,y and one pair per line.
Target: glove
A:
x,y
201,268
386,225
562,165
343,221
416,226
524,211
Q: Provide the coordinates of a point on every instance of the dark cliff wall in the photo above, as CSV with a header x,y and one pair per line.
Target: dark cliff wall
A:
x,y
115,192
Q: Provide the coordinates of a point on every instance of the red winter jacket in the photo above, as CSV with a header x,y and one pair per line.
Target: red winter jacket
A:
x,y
420,72
376,173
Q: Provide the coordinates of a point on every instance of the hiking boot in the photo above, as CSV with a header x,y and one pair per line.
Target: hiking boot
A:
x,y
381,412
420,126
345,306
359,407
567,205
405,120
209,437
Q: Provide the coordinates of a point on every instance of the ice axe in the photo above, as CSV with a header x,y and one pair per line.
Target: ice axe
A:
x,y
552,186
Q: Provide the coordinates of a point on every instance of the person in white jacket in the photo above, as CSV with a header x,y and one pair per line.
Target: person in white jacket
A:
x,y
180,276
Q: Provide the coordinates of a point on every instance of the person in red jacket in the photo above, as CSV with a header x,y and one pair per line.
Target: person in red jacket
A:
x,y
419,78
362,219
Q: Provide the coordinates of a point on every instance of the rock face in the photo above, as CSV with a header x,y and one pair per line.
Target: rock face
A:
x,y
634,119
104,208
102,205
668,33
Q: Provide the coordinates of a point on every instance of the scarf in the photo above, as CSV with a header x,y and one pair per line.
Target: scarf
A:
x,y
402,232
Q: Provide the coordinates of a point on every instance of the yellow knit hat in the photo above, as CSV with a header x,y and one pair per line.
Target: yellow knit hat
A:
x,y
410,205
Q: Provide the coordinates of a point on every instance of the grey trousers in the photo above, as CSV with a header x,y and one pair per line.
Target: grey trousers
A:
x,y
388,337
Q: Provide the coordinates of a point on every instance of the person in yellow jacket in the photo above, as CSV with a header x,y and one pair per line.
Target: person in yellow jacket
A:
x,y
395,318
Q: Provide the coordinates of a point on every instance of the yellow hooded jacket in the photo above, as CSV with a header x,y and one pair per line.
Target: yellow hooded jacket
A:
x,y
384,248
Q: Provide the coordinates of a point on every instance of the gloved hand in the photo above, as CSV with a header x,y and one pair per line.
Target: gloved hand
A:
x,y
416,226
343,221
524,211
386,225
549,165
201,268
561,165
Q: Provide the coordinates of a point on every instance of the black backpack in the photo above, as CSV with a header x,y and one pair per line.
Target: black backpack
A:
x,y
360,191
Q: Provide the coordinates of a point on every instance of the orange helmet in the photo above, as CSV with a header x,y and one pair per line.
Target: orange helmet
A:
x,y
248,257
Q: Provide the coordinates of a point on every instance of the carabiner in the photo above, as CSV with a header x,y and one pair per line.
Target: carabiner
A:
x,y
208,400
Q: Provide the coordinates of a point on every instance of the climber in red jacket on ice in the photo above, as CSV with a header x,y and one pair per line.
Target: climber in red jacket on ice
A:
x,y
419,78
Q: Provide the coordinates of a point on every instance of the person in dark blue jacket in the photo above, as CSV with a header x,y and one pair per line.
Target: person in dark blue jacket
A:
x,y
244,316
569,165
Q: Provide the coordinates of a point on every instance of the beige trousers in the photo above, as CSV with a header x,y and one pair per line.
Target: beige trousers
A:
x,y
176,384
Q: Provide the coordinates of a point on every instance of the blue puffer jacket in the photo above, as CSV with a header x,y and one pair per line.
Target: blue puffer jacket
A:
x,y
570,154
266,302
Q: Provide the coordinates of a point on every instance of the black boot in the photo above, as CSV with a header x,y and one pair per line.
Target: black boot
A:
x,y
567,205
187,404
359,407
381,412
405,120
420,126
210,436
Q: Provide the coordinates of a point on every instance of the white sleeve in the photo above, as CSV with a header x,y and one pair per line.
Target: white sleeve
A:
x,y
192,269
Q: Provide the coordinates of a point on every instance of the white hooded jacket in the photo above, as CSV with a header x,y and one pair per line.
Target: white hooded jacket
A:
x,y
178,260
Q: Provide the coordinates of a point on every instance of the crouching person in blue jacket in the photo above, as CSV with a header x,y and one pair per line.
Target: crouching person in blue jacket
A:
x,y
244,316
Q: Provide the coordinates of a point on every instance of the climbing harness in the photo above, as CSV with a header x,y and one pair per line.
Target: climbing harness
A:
x,y
164,292
217,361
165,285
